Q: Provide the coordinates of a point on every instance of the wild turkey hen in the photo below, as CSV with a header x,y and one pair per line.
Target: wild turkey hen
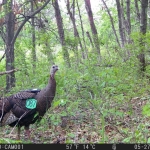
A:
x,y
27,107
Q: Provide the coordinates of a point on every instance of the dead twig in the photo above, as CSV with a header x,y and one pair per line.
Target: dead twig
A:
x,y
10,71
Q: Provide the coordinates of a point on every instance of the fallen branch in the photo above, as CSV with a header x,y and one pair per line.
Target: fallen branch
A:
x,y
7,72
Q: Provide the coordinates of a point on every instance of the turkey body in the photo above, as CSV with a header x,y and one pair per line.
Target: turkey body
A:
x,y
27,107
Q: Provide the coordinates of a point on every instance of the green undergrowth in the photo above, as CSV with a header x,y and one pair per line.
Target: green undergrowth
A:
x,y
95,100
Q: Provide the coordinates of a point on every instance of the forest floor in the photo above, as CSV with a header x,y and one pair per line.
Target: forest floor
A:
x,y
132,128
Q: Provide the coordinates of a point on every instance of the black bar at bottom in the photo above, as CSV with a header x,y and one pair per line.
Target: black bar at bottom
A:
x,y
75,146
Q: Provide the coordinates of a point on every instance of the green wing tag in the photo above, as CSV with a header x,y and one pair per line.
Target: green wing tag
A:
x,y
31,103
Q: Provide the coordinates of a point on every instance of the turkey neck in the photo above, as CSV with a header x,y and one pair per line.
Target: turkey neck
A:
x,y
46,95
51,88
49,91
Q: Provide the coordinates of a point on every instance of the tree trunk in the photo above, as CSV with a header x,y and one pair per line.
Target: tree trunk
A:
x,y
10,24
137,10
120,19
90,39
86,51
93,28
11,38
112,22
128,26
76,33
61,33
143,26
33,39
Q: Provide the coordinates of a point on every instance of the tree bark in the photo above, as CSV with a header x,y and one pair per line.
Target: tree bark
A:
x,y
61,33
11,38
10,19
112,22
143,27
76,33
93,28
90,39
33,39
128,27
86,51
120,19
137,10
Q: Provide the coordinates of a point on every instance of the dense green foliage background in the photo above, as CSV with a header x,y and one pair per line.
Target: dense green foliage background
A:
x,y
104,102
